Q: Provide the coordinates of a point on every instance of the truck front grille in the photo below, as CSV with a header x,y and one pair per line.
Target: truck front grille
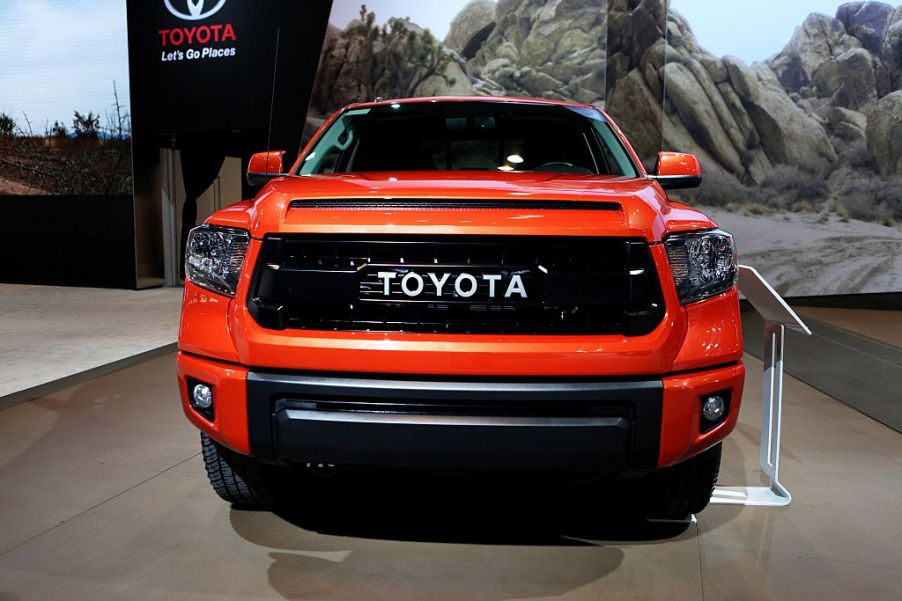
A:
x,y
457,284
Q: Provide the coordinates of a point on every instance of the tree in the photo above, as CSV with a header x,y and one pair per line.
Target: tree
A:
x,y
86,126
7,125
118,125
404,58
407,58
58,130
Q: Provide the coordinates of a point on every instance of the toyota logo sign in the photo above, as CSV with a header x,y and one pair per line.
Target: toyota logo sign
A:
x,y
195,9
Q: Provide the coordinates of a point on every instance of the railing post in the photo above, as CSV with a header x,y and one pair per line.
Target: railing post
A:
x,y
777,317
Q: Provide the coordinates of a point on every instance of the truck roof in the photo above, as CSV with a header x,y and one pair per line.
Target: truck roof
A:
x,y
495,99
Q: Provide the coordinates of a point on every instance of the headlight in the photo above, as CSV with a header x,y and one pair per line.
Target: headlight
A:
x,y
703,264
214,257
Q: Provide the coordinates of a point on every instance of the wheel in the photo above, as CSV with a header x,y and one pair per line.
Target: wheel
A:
x,y
238,479
674,493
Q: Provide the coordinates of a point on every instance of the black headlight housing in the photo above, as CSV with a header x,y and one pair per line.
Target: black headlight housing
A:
x,y
214,257
703,264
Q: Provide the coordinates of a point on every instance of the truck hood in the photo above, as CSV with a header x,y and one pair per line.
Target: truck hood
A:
x,y
433,203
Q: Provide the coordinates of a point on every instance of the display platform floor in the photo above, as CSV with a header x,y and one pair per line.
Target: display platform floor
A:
x,y
48,333
103,496
883,326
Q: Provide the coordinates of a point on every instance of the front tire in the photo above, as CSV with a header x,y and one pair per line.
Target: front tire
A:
x,y
241,480
676,492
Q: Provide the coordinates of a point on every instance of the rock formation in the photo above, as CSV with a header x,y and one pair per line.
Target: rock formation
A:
x,y
398,59
838,70
884,133
738,118
471,27
829,89
549,49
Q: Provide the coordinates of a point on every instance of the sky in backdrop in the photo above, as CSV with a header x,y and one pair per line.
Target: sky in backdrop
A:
x,y
57,56
752,30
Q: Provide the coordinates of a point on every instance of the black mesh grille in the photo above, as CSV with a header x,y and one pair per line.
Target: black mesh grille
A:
x,y
510,285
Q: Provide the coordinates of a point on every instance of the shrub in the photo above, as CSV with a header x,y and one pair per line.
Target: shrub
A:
x,y
872,198
857,206
804,206
86,126
855,154
7,125
792,188
756,209
58,130
719,192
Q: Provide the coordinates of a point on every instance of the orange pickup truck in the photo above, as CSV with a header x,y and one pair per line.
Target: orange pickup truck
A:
x,y
464,284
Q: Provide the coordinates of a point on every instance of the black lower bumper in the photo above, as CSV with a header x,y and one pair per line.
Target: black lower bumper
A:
x,y
454,424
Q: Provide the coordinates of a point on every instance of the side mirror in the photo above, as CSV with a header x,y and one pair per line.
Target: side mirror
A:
x,y
265,166
677,171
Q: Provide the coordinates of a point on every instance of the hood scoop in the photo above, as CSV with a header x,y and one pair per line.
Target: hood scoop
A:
x,y
446,204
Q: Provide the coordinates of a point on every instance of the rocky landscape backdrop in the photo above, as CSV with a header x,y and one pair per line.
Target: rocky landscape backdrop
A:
x,y
810,138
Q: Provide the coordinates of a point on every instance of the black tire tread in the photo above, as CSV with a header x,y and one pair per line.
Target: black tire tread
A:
x,y
236,478
684,489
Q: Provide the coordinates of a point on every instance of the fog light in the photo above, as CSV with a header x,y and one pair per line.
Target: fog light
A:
x,y
203,396
713,408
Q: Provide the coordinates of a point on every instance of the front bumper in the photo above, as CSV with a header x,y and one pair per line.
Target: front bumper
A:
x,y
417,423
577,424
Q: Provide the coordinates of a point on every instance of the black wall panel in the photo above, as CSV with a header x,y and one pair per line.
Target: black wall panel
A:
x,y
68,241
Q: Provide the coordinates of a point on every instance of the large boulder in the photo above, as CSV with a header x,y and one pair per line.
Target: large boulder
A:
x,y
823,44
537,83
742,77
633,28
715,68
727,118
453,82
699,115
470,28
884,132
342,77
866,21
555,49
848,80
892,49
789,136
848,125
818,40
739,114
638,112
677,138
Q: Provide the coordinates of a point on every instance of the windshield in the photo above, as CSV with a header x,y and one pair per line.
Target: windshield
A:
x,y
469,136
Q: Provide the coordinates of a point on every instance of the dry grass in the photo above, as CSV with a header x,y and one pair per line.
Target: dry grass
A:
x,y
67,165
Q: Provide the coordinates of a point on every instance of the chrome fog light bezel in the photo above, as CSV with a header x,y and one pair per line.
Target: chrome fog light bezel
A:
x,y
202,398
714,409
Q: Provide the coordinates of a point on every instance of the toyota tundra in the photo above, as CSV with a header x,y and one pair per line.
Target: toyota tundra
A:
x,y
467,284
